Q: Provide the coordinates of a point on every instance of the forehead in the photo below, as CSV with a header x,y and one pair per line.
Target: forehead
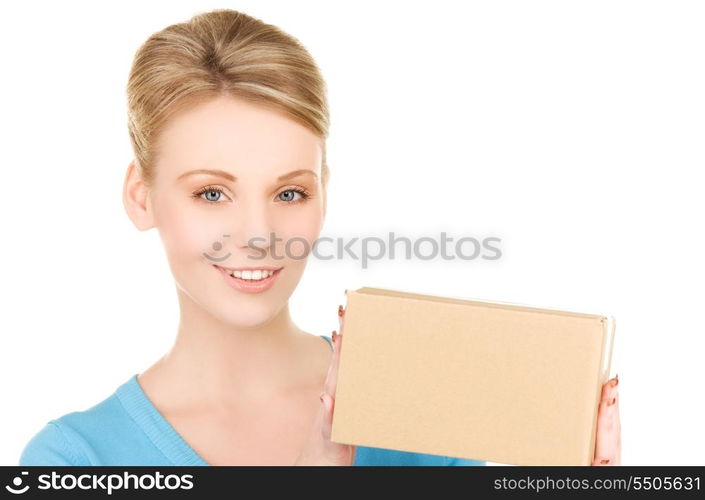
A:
x,y
236,136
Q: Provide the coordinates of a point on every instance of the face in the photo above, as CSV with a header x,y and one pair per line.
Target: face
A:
x,y
237,186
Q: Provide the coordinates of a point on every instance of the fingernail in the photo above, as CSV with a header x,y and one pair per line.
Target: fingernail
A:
x,y
614,381
340,310
604,461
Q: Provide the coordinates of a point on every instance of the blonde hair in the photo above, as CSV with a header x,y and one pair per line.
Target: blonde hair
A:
x,y
221,52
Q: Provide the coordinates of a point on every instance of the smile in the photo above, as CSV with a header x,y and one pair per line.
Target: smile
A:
x,y
249,280
254,275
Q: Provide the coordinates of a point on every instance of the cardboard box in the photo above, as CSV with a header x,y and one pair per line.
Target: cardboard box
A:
x,y
470,379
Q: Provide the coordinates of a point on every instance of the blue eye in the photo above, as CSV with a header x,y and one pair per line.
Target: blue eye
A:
x,y
214,194
211,194
289,195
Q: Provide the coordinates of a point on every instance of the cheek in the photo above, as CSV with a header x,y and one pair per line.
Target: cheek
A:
x,y
298,232
186,232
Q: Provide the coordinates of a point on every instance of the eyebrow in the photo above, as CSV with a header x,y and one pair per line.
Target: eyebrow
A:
x,y
231,177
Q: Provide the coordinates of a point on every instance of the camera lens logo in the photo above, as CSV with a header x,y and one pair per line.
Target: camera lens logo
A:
x,y
17,482
217,246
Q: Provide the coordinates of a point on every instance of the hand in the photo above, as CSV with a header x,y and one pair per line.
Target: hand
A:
x,y
319,449
608,442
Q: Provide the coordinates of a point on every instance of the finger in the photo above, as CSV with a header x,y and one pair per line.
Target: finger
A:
x,y
609,387
608,438
332,377
336,453
608,414
329,374
601,461
341,316
327,415
613,386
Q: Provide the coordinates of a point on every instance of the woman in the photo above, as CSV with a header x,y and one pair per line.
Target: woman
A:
x,y
228,119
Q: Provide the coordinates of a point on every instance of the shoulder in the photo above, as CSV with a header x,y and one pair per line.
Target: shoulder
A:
x,y
49,446
379,456
75,438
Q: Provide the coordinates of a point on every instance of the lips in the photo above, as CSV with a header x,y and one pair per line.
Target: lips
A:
x,y
253,274
234,278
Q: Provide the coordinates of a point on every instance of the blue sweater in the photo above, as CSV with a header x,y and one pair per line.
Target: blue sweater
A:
x,y
127,429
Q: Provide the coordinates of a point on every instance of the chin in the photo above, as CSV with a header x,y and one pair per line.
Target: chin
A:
x,y
251,316
235,307
240,311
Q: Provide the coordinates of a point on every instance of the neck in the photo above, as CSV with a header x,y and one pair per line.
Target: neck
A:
x,y
216,365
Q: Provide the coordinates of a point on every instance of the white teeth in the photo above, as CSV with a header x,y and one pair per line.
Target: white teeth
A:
x,y
257,274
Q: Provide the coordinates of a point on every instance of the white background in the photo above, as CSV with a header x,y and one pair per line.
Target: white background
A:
x,y
572,130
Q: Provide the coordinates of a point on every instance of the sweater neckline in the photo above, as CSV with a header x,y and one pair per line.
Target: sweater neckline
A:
x,y
157,428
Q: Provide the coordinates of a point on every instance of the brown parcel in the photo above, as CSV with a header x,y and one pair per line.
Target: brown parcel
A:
x,y
470,379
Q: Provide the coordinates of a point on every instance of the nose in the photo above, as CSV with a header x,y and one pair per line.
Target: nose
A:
x,y
253,230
